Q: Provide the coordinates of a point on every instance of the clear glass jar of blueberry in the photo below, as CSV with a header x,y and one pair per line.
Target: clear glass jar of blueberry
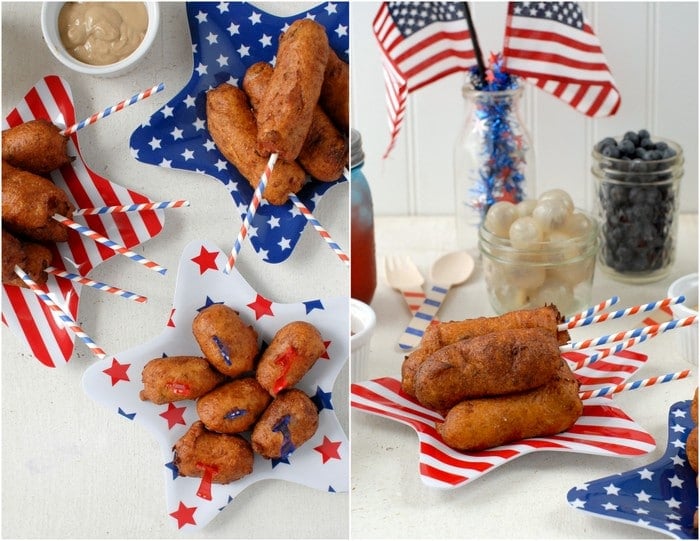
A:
x,y
637,181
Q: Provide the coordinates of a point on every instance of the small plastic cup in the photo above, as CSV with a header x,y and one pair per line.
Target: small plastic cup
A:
x,y
687,338
362,323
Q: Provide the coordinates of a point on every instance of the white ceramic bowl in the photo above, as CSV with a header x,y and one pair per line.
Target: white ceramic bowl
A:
x,y
49,27
687,337
362,324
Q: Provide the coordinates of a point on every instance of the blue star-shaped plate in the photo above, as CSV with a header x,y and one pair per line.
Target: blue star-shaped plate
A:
x,y
321,463
662,496
227,38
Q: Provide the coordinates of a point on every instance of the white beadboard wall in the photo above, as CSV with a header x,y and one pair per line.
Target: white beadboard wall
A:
x,y
651,49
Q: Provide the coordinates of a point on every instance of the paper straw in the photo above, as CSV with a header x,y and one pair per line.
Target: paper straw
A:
x,y
118,248
632,385
95,284
589,312
113,109
622,313
66,320
603,353
252,209
325,235
624,335
136,207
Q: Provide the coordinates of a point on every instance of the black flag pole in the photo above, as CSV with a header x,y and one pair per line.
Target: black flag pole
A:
x,y
475,43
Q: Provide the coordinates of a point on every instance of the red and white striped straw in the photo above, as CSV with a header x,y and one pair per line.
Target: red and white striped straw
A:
x,y
135,207
252,209
649,307
113,109
624,335
589,312
632,385
115,247
325,235
63,317
100,286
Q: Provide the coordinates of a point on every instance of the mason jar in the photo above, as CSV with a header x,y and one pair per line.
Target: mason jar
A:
x,y
637,205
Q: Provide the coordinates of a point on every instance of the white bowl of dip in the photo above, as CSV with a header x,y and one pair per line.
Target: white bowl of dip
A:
x,y
362,323
687,337
107,39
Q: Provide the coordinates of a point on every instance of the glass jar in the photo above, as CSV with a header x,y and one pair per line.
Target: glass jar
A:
x,y
493,156
363,268
637,204
556,271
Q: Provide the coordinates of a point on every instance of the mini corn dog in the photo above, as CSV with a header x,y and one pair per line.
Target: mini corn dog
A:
x,y
335,92
31,257
36,146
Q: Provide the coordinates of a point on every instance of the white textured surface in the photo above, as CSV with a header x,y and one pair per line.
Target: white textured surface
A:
x,y
527,497
70,468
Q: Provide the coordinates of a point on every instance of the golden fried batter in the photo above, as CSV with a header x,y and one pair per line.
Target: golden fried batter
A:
x,y
169,379
227,342
288,422
482,423
691,448
31,257
335,92
291,354
36,146
497,363
227,457
233,407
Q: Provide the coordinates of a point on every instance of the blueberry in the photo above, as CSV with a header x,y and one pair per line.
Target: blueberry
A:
x,y
668,153
643,134
605,142
626,147
652,155
647,144
611,152
661,145
632,136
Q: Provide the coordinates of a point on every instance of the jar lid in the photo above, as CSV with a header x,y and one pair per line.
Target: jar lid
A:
x,y
357,155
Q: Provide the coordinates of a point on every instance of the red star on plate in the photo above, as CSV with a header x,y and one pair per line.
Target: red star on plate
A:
x,y
171,323
328,449
261,306
174,415
117,372
326,343
184,515
206,260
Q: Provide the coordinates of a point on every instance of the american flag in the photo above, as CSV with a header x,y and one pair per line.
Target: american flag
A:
x,y
552,45
420,43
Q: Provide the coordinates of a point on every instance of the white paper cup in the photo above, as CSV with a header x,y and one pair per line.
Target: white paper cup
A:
x,y
687,338
362,324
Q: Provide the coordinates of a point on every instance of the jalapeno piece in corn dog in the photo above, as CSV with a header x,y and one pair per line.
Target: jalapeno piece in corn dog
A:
x,y
36,146
335,92
442,334
222,457
231,124
228,343
325,151
288,422
31,257
170,379
482,423
285,114
29,202
497,363
234,406
291,354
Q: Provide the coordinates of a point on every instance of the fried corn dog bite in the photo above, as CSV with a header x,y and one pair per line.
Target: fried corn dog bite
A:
x,y
36,146
228,343
288,422
170,379
335,92
324,153
691,448
482,423
443,334
290,355
285,113
226,457
31,257
232,126
28,203
497,363
233,407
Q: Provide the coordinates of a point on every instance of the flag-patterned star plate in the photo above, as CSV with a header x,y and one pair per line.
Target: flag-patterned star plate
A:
x,y
227,38
22,311
603,429
115,382
661,496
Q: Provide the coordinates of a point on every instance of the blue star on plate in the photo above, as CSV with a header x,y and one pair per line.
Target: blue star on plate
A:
x,y
661,496
227,38
306,466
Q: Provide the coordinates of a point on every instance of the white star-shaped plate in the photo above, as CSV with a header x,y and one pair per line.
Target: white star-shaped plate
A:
x,y
321,463
22,311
